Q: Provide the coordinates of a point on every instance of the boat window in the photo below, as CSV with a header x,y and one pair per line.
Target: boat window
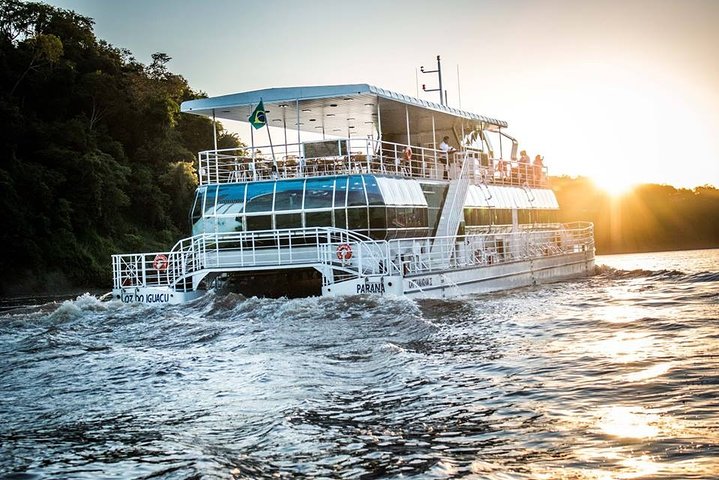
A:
x,y
356,218
355,194
259,197
197,207
288,195
340,191
468,214
340,218
288,220
318,192
525,216
233,193
318,219
374,196
210,200
414,217
259,222
477,216
377,218
485,217
392,218
502,216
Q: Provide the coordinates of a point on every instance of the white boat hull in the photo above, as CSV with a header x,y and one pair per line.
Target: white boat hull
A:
x,y
484,279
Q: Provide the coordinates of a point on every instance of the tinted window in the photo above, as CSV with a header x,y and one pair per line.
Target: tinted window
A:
x,y
355,194
288,220
340,218
318,219
210,201
259,197
259,222
232,193
340,191
374,197
356,218
377,218
288,195
318,192
197,207
525,216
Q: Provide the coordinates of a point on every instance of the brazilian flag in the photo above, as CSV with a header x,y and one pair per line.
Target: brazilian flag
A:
x,y
258,118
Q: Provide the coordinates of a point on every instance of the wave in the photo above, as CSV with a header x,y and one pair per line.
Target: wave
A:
x,y
612,273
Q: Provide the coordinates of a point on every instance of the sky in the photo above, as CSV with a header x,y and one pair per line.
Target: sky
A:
x,y
621,91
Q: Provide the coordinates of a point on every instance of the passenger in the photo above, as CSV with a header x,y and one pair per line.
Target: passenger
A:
x,y
502,168
538,169
523,166
407,160
446,151
445,147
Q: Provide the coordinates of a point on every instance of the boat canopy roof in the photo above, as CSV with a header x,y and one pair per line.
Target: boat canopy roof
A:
x,y
343,110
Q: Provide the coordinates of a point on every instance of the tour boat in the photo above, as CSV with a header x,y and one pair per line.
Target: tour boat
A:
x,y
360,197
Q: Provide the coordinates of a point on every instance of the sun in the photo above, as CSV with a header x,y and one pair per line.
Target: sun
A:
x,y
614,185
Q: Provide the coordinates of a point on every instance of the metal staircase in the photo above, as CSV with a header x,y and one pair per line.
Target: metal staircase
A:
x,y
452,214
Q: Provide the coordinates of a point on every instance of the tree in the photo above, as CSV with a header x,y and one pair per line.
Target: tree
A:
x,y
96,157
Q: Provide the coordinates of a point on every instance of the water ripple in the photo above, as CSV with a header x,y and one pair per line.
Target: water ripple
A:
x,y
614,376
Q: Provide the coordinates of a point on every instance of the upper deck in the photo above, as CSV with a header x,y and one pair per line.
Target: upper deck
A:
x,y
359,128
364,156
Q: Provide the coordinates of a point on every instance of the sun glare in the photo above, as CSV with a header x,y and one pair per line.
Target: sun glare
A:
x,y
614,185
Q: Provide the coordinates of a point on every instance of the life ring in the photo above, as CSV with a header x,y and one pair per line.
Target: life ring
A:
x,y
407,154
344,252
160,263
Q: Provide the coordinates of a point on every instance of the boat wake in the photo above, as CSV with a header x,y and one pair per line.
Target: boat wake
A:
x,y
611,273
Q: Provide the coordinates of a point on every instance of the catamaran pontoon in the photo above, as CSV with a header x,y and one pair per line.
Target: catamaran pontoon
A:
x,y
366,200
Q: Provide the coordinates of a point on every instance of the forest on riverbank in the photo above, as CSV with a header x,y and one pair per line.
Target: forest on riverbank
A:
x,y
647,218
97,159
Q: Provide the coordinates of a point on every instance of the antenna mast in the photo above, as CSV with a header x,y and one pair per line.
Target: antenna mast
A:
x,y
442,98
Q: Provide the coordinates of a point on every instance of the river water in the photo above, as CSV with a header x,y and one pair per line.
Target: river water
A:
x,y
611,377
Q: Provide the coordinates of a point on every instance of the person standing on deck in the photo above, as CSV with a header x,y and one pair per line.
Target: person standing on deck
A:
x,y
523,166
538,169
446,151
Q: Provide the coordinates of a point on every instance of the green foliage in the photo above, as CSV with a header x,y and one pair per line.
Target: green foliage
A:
x,y
96,157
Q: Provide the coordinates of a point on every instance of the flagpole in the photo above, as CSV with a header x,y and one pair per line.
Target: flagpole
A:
x,y
257,120
269,136
252,143
272,149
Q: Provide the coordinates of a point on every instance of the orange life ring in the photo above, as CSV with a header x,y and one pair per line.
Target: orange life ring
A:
x,y
160,263
344,252
407,154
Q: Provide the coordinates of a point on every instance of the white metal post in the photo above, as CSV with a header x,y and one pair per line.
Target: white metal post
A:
x,y
214,135
379,132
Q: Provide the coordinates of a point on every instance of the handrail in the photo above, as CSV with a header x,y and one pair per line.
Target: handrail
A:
x,y
417,255
263,249
313,247
366,155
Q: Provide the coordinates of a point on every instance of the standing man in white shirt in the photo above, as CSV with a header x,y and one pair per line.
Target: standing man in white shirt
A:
x,y
446,151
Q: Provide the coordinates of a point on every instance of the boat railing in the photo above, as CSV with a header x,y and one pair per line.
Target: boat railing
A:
x,y
355,156
416,256
337,248
351,254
